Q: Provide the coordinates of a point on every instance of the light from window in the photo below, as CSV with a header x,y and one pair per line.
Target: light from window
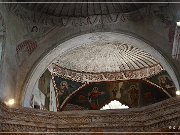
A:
x,y
178,24
178,92
114,105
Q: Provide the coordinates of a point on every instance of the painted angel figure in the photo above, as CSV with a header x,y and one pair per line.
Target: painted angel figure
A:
x,y
93,97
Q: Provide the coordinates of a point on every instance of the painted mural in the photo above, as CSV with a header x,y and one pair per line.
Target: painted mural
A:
x,y
167,20
24,50
133,93
35,32
64,87
164,80
94,95
30,41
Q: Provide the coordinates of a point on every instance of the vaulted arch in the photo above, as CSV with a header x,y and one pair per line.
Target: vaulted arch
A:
x,y
86,39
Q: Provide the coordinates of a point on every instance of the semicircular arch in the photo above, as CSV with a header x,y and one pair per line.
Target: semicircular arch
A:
x,y
89,39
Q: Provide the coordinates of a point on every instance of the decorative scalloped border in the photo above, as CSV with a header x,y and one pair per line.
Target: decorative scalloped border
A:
x,y
106,76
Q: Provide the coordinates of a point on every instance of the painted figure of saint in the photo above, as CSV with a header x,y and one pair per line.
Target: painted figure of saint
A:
x,y
114,92
63,91
167,84
162,82
134,95
63,88
93,98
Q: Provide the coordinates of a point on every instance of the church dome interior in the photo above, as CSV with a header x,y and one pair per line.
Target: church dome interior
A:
x,y
89,66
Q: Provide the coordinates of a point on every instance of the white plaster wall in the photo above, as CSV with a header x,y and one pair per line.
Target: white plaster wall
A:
x,y
1,40
39,97
15,28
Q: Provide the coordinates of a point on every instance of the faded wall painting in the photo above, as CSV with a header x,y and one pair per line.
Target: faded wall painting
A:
x,y
35,32
164,80
24,50
30,40
133,93
92,96
64,87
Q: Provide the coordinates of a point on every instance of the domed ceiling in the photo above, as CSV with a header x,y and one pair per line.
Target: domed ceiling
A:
x,y
106,57
82,8
104,61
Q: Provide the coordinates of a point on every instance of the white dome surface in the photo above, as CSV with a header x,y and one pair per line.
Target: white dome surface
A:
x,y
106,57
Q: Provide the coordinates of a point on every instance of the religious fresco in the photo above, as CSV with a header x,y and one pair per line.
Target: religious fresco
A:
x,y
64,87
24,48
129,94
136,93
150,95
165,20
36,32
164,80
92,96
